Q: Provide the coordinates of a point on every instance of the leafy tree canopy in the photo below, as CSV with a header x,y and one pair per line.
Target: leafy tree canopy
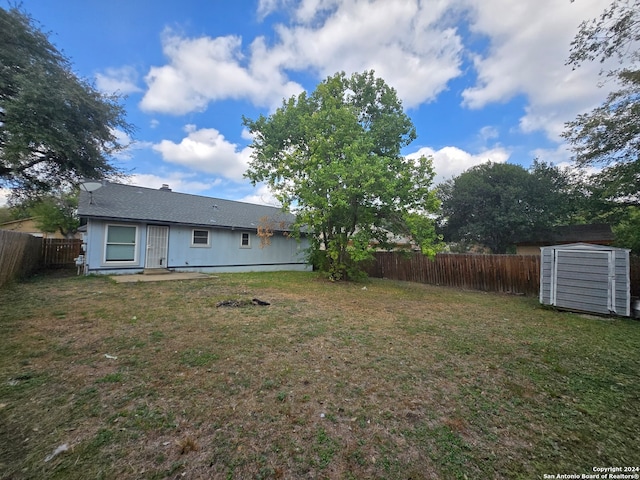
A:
x,y
496,204
335,155
55,128
627,230
615,34
609,135
56,213
5,215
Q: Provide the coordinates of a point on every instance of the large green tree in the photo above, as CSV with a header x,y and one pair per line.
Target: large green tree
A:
x,y
55,127
609,135
56,213
627,229
335,156
496,204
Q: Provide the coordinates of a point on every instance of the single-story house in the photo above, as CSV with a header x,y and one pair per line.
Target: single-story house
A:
x,y
594,234
132,229
28,225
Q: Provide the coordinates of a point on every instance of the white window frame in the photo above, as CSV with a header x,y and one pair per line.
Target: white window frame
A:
x,y
242,245
135,245
200,245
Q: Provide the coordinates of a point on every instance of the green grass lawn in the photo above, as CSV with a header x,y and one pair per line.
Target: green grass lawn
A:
x,y
332,380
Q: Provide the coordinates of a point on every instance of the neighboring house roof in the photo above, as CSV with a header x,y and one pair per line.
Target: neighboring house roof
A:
x,y
114,201
10,225
28,225
592,233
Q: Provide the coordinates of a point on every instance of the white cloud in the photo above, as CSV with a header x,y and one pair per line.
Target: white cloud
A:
x,y
123,80
450,162
246,134
202,70
192,183
262,196
122,138
528,48
488,133
206,150
4,196
558,156
407,43
130,145
417,47
178,182
266,7
303,11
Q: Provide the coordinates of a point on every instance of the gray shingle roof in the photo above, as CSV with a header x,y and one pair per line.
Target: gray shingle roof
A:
x,y
127,202
590,233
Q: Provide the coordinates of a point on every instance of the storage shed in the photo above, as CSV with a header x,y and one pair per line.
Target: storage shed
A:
x,y
586,278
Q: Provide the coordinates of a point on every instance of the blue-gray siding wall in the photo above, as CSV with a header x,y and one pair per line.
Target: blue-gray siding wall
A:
x,y
224,253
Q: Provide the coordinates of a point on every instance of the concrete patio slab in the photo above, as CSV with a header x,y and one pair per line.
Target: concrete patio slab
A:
x,y
159,278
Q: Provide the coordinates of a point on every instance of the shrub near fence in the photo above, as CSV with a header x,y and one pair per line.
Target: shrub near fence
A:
x,y
20,255
518,274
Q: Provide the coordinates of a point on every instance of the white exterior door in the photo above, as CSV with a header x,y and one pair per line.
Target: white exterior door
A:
x,y
157,247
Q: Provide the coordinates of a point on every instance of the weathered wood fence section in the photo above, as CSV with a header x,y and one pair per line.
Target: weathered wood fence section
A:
x,y
518,274
20,255
58,252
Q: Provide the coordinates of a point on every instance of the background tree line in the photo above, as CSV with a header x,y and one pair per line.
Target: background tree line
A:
x,y
495,205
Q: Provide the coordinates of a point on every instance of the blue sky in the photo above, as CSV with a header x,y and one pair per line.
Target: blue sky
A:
x,y
481,79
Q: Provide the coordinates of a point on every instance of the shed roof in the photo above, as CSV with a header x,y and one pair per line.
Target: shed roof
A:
x,y
584,246
116,201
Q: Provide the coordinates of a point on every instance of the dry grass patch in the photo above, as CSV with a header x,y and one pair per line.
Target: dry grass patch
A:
x,y
376,380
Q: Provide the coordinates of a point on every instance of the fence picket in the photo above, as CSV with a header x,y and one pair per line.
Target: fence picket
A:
x,y
57,252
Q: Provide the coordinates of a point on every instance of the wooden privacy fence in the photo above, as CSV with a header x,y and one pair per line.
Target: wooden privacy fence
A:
x,y
518,274
20,255
496,273
58,252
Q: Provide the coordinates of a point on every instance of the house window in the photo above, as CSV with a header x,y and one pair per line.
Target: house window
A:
x,y
245,240
121,243
200,238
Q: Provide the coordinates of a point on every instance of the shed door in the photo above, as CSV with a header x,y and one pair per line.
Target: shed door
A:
x,y
157,246
582,280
